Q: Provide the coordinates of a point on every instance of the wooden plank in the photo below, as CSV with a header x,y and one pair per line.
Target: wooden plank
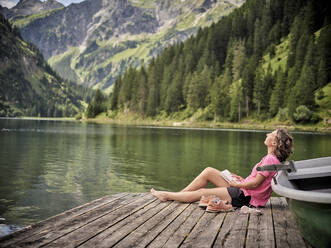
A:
x,y
29,231
184,230
92,229
260,232
233,231
55,230
286,232
116,233
206,230
180,226
144,234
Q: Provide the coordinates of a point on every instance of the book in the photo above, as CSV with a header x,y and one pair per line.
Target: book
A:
x,y
226,174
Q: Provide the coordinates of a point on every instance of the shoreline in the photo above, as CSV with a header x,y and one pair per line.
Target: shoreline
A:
x,y
244,125
210,124
29,118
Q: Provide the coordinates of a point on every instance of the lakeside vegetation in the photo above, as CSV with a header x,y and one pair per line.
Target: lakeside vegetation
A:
x,y
267,63
244,124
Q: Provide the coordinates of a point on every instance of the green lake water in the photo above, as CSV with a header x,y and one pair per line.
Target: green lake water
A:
x,y
47,167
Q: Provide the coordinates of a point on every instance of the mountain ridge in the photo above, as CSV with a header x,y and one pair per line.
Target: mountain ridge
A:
x,y
29,7
95,41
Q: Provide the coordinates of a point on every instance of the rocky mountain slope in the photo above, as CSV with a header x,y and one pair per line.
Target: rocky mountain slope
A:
x,y
29,7
96,40
28,86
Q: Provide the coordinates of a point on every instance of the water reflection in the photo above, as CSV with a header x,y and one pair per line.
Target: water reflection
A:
x,y
48,167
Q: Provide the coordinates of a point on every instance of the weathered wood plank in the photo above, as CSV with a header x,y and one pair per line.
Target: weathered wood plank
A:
x,y
233,231
117,232
181,226
144,234
286,232
181,234
31,230
206,230
260,231
90,230
56,231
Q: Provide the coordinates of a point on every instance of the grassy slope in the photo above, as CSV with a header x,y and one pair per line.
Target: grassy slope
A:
x,y
22,22
133,56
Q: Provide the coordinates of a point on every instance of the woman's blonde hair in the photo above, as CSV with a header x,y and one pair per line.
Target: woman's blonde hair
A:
x,y
284,147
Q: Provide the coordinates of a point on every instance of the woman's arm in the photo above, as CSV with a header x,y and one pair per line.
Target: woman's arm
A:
x,y
251,184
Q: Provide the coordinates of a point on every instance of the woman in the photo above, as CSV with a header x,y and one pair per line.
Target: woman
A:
x,y
254,190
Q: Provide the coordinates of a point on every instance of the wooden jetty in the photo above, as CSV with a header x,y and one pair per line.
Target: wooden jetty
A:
x,y
140,220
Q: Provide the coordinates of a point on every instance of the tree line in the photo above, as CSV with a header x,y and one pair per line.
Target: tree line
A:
x,y
222,73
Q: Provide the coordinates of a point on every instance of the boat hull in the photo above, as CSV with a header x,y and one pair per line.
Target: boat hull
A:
x,y
313,220
308,193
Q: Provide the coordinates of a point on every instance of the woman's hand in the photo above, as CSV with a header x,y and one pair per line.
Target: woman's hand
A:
x,y
235,184
238,178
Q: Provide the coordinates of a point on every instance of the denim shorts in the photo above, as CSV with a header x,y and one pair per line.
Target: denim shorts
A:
x,y
238,197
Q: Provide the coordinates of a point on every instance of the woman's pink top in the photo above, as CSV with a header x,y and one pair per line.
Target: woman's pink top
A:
x,y
261,194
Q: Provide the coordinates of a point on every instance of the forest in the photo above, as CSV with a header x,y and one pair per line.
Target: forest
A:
x,y
267,59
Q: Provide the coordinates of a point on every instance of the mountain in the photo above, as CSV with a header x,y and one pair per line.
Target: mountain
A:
x,y
95,41
29,7
28,86
267,60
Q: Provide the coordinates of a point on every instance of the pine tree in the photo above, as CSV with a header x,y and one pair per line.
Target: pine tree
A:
x,y
322,74
198,89
248,83
236,96
296,32
220,95
258,37
277,96
323,47
153,91
306,84
114,96
259,89
239,60
142,91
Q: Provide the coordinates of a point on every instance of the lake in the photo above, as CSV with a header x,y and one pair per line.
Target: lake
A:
x,y
47,167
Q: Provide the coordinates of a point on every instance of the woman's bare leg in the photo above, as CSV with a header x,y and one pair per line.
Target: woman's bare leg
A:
x,y
192,196
207,175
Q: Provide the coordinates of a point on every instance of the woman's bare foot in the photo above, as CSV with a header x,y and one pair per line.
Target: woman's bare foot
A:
x,y
159,194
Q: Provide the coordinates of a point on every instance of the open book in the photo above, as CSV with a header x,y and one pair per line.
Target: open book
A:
x,y
226,174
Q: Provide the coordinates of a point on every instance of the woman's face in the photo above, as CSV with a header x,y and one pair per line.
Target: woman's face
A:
x,y
270,140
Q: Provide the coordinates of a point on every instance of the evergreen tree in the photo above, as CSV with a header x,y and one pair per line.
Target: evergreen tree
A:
x,y
301,50
277,96
258,38
323,53
236,96
220,95
248,83
259,89
142,91
197,91
322,74
153,91
306,84
239,60
296,32
114,95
